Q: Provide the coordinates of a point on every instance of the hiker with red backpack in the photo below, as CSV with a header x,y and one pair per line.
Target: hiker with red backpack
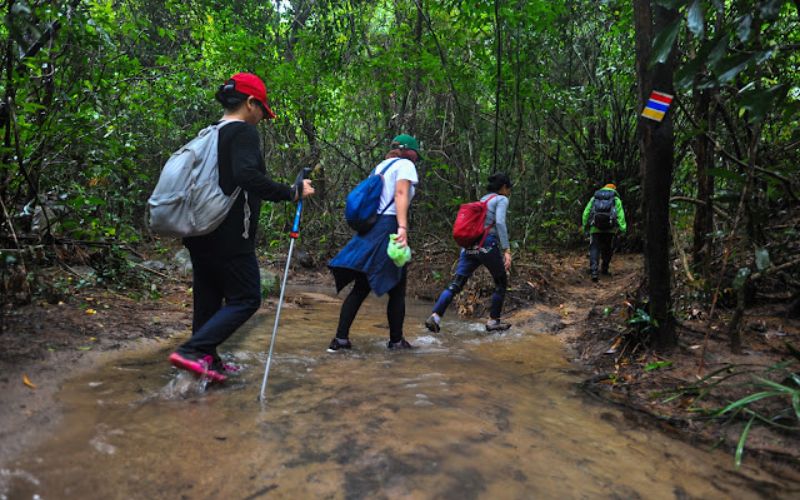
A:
x,y
602,217
482,232
226,280
376,209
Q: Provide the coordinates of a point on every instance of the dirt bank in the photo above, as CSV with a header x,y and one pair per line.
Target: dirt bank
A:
x,y
675,391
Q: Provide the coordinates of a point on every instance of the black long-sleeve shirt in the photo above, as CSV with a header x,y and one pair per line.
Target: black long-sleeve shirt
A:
x,y
241,163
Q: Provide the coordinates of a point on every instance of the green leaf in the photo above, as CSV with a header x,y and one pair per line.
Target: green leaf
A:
x,y
695,19
716,54
657,365
762,258
741,277
742,440
728,68
745,28
764,56
778,387
759,102
771,9
684,77
662,45
725,174
752,398
796,404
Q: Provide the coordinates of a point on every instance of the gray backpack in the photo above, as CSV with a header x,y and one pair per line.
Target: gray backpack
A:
x,y
187,200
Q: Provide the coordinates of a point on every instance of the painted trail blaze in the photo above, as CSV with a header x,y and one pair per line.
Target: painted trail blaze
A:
x,y
657,106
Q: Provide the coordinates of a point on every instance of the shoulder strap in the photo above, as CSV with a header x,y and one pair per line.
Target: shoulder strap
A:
x,y
489,228
387,166
392,200
487,200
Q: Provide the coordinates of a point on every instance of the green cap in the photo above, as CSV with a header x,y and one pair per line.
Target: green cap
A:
x,y
407,142
399,255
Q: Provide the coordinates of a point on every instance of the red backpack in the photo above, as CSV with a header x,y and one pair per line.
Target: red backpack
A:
x,y
468,227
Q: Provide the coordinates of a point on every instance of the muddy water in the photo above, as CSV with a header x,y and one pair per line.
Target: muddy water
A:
x,y
466,415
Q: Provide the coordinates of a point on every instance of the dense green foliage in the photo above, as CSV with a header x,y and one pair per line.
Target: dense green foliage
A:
x,y
98,93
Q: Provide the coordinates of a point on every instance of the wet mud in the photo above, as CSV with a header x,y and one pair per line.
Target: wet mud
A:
x,y
465,415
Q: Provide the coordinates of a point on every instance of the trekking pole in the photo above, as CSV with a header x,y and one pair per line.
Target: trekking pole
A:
x,y
293,236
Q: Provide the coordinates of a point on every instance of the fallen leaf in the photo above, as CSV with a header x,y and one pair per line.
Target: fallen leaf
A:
x,y
91,311
85,348
27,381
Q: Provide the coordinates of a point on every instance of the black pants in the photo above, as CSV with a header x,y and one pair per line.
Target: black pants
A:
x,y
226,292
395,310
601,245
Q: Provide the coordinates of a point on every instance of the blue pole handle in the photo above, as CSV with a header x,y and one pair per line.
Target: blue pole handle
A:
x,y
298,183
296,225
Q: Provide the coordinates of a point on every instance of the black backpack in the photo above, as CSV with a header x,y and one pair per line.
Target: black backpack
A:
x,y
603,215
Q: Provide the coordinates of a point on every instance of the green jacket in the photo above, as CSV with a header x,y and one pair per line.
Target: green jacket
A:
x,y
623,226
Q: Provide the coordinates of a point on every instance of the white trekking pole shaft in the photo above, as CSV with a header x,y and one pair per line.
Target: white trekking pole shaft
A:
x,y
293,235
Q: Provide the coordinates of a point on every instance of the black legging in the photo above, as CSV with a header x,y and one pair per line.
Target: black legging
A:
x,y
395,310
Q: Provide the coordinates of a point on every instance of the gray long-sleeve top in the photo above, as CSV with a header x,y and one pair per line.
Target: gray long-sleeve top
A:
x,y
497,209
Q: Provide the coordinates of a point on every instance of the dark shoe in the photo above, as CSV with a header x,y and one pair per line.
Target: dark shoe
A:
x,y
605,272
594,277
495,325
337,344
399,345
199,366
432,325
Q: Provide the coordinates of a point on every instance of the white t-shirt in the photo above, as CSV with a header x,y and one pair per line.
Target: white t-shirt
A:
x,y
401,169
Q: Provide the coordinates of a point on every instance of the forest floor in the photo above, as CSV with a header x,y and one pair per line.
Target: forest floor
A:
x,y
44,344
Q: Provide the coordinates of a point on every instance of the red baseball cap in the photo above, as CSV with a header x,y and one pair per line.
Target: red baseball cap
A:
x,y
252,85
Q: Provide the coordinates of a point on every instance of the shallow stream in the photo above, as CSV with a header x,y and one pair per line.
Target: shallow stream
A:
x,y
466,415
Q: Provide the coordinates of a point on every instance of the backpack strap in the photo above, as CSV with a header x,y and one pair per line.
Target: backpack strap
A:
x,y
486,230
387,166
381,174
246,233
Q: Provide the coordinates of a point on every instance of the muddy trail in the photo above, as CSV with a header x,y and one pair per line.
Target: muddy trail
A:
x,y
465,415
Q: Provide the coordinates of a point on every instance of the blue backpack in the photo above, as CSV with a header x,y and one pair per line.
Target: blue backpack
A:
x,y
361,208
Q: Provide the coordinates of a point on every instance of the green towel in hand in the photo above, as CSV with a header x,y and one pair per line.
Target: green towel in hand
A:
x,y
399,255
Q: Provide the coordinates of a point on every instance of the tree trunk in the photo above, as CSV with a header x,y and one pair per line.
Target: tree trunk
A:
x,y
656,146
498,80
702,250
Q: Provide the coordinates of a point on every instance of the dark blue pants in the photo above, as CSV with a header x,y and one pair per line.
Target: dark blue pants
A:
x,y
468,263
227,291
601,247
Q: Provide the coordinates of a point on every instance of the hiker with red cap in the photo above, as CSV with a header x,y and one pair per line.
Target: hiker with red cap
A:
x,y
226,279
602,217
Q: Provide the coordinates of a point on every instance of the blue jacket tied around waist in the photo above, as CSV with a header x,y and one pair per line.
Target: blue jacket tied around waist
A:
x,y
366,253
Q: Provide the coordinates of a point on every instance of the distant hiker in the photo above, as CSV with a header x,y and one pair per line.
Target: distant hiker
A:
x,y
492,250
226,280
601,218
364,260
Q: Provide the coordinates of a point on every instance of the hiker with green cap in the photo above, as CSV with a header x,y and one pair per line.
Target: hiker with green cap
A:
x,y
602,217
365,261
